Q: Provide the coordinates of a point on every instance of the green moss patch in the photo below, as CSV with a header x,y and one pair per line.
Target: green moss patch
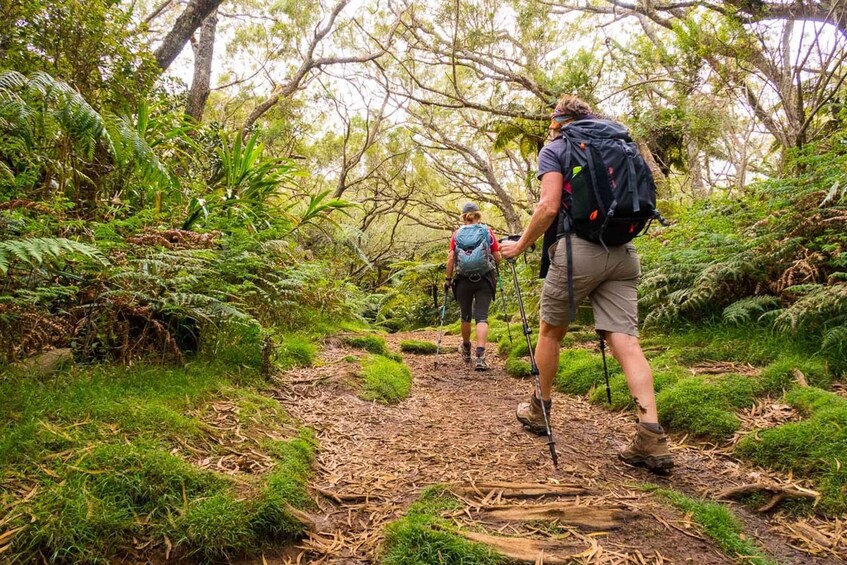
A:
x,y
719,523
295,351
518,367
125,476
370,343
782,374
423,537
705,407
581,370
814,447
417,346
385,380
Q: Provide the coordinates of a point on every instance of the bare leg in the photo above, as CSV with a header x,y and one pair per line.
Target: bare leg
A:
x,y
481,334
466,331
547,355
639,377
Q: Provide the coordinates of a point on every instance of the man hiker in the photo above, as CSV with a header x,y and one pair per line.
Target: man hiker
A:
x,y
473,259
606,271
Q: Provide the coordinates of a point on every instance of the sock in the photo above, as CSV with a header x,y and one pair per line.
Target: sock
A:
x,y
480,351
466,345
656,428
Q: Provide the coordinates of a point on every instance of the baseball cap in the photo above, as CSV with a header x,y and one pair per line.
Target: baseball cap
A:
x,y
469,207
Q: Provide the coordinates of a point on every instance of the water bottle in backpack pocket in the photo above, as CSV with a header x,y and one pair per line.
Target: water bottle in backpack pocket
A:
x,y
473,251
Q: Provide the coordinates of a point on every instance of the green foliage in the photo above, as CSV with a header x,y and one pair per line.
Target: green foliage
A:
x,y
385,380
719,523
423,537
417,346
780,375
581,370
814,447
42,253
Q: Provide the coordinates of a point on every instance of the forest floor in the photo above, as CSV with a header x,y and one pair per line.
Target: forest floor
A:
x,y
458,427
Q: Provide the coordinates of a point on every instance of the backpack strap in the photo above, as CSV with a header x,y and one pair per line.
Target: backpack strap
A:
x,y
633,185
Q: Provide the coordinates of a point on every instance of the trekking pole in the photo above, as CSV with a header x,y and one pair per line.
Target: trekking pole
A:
x,y
503,305
534,366
605,367
441,327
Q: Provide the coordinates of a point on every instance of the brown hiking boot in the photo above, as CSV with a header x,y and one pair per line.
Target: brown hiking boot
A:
x,y
481,364
466,352
648,449
530,415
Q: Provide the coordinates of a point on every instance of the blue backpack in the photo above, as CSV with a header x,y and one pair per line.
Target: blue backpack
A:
x,y
473,251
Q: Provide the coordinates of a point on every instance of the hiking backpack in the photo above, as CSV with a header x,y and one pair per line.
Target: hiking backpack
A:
x,y
473,251
613,195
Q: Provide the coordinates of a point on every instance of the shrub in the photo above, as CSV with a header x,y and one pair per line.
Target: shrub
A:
x,y
385,380
416,346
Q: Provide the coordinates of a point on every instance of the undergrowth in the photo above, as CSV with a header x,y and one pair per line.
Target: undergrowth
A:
x,y
417,346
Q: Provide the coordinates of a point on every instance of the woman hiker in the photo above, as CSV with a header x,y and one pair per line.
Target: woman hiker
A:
x,y
472,274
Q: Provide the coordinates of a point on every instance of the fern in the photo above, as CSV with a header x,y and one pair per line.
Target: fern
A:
x,y
40,252
749,309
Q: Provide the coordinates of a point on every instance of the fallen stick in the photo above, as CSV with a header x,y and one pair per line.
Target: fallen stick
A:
x,y
517,490
597,518
525,550
779,493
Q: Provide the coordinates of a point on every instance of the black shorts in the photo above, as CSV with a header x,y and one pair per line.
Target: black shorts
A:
x,y
474,298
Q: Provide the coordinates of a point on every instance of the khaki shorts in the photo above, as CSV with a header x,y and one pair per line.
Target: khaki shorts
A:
x,y
610,280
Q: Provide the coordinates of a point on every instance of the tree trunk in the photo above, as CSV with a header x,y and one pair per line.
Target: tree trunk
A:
x,y
200,84
186,24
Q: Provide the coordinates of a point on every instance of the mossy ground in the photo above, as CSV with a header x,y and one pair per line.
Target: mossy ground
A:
x,y
102,451
385,380
372,344
423,537
719,523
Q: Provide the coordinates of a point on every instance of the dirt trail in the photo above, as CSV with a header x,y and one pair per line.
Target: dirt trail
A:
x,y
459,426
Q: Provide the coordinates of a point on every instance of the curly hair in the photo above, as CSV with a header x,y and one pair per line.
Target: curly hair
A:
x,y
572,106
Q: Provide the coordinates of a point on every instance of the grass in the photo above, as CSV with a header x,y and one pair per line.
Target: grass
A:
x,y
581,370
719,523
518,367
423,537
385,380
815,447
104,448
417,346
370,343
295,351
780,375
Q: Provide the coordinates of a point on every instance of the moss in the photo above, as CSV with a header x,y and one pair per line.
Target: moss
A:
x,y
719,523
700,407
780,375
814,447
417,346
581,370
370,343
385,380
295,351
422,537
518,367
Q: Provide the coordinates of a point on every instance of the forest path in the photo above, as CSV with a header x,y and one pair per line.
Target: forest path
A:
x,y
458,426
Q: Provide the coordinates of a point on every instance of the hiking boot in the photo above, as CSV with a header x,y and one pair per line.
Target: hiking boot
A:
x,y
481,364
649,449
530,415
466,352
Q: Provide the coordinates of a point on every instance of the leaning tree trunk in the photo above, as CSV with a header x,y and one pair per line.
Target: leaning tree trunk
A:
x,y
186,24
200,84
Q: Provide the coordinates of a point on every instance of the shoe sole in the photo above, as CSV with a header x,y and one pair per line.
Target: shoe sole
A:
x,y
534,428
662,464
478,368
